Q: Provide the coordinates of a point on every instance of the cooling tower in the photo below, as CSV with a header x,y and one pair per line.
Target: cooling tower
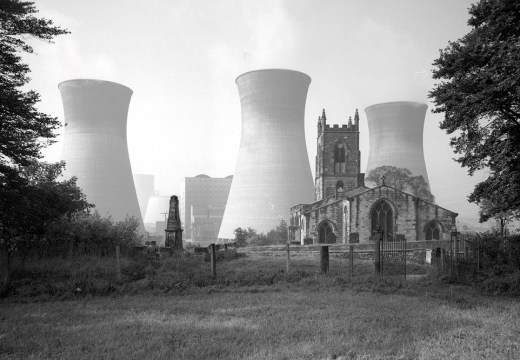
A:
x,y
145,188
396,136
95,147
156,211
272,172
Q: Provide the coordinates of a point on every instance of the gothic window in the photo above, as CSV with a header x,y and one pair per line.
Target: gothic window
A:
x,y
382,217
340,159
326,233
433,231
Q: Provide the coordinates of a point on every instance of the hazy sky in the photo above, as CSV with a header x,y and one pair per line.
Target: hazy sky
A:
x,y
181,58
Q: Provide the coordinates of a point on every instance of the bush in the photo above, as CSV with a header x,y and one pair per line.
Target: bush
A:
x,y
499,255
88,234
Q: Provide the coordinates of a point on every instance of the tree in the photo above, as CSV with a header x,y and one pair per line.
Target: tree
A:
x,y
401,179
22,126
32,201
502,218
278,235
419,187
478,93
394,177
24,131
243,236
46,199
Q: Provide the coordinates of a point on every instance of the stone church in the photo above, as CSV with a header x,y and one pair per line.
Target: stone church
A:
x,y
348,212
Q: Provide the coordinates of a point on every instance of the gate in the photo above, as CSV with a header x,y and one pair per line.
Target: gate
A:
x,y
390,254
463,258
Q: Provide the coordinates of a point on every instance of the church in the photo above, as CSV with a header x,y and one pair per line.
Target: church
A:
x,y
345,211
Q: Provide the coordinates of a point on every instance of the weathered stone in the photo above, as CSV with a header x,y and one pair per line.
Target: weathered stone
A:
x,y
346,205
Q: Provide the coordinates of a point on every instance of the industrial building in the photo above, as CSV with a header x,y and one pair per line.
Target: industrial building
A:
x,y
272,171
202,203
345,210
95,146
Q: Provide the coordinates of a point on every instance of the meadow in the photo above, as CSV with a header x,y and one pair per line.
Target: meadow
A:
x,y
253,310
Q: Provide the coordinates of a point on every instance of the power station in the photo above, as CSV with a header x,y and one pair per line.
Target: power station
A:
x,y
272,172
145,188
95,146
395,132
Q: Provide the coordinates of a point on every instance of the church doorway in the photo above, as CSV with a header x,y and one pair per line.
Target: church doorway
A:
x,y
326,233
382,216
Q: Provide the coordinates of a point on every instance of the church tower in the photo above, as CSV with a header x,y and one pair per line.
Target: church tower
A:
x,y
338,158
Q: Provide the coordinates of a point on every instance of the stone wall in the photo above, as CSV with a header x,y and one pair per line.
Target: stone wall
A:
x,y
351,217
416,251
331,210
411,214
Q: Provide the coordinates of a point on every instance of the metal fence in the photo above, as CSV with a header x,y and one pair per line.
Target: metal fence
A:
x,y
461,261
392,256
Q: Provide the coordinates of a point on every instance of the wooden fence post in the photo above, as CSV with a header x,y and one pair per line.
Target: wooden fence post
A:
x,y
455,263
324,259
119,277
351,260
442,260
377,254
288,257
213,260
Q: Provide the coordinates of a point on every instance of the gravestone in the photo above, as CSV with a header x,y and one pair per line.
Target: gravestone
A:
x,y
173,226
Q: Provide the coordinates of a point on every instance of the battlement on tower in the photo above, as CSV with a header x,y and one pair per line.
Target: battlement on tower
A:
x,y
344,127
323,127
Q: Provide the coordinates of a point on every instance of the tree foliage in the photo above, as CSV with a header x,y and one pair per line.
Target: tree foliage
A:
x,y
33,199
88,234
395,177
502,218
249,236
479,94
242,236
24,131
402,180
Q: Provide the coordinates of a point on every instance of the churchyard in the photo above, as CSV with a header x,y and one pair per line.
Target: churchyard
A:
x,y
173,308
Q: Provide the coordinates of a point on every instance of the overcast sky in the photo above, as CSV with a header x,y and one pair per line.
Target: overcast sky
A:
x,y
181,58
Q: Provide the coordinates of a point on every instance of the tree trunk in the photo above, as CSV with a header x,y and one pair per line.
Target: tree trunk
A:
x,y
5,275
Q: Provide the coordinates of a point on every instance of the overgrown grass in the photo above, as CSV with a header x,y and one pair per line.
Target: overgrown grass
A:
x,y
62,279
253,309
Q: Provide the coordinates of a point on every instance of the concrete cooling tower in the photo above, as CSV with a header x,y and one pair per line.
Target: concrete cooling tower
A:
x,y
272,172
396,136
145,188
95,147
156,212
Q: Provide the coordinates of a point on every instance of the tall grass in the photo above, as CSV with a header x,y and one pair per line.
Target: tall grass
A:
x,y
64,279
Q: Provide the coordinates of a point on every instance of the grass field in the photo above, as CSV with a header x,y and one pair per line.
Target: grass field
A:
x,y
263,324
253,311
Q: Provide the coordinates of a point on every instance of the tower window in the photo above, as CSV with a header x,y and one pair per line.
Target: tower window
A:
x,y
339,159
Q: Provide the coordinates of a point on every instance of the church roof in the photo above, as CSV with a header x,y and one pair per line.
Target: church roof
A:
x,y
366,190
354,193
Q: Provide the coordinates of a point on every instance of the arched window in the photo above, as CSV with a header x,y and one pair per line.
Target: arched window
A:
x,y
433,231
326,233
340,159
382,217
